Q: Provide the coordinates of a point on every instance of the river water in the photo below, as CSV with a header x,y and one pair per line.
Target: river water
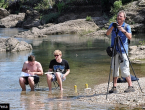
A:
x,y
88,62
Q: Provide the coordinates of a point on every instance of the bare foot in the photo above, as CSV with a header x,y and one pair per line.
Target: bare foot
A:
x,y
61,89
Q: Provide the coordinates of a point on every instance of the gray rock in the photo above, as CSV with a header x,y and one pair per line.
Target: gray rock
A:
x,y
12,44
3,13
31,19
72,26
12,20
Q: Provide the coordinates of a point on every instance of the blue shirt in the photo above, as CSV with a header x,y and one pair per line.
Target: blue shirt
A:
x,y
122,36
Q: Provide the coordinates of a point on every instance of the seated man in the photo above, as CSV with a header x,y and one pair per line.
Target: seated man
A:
x,y
33,68
61,69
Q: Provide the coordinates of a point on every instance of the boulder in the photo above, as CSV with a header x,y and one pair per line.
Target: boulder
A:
x,y
12,45
3,13
12,20
137,52
68,27
31,19
31,23
135,15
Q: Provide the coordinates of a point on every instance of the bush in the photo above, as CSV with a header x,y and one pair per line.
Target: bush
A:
x,y
3,4
49,18
42,5
61,6
88,18
117,6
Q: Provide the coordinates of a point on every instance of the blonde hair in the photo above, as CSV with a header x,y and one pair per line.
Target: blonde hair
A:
x,y
122,11
57,52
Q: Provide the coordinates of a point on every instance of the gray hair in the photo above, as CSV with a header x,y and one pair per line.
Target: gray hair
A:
x,y
122,11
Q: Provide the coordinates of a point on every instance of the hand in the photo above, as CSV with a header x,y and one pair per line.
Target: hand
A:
x,y
115,25
121,29
28,71
31,73
63,77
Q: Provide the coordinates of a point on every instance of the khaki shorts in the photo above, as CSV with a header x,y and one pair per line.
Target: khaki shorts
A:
x,y
55,79
124,66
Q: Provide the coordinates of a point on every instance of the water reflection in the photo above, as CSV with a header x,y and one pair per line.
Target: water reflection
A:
x,y
88,61
31,101
8,32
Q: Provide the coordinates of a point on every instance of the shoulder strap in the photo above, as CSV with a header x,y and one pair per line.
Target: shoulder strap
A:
x,y
125,26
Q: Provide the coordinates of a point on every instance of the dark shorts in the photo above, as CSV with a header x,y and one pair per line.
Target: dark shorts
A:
x,y
36,79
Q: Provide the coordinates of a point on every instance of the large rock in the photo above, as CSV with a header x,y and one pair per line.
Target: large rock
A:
x,y
12,20
31,19
135,15
31,23
72,26
12,44
3,13
137,52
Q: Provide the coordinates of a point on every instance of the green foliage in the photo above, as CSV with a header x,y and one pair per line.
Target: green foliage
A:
x,y
142,42
49,17
113,18
3,4
42,5
88,18
2,1
117,6
60,6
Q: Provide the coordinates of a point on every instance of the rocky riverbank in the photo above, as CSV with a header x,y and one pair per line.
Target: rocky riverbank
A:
x,y
133,99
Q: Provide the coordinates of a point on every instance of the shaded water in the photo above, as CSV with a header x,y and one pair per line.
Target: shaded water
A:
x,y
88,63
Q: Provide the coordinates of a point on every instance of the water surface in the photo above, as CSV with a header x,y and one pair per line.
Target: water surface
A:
x,y
88,62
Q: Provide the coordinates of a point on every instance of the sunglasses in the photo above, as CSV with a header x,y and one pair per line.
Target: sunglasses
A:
x,y
56,55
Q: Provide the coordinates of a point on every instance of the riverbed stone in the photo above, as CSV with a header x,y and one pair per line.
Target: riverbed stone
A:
x,y
132,99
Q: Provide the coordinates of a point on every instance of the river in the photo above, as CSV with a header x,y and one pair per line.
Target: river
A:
x,y
89,64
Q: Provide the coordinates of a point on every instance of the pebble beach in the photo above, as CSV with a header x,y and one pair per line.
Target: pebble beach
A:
x,y
97,95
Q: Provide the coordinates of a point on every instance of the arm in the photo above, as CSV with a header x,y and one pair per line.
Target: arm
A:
x,y
127,34
109,30
39,70
50,70
67,72
24,69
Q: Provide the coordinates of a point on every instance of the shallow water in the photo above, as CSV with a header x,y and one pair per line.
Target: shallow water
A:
x,y
88,63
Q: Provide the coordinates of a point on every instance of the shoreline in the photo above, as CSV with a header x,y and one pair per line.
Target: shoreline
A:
x,y
133,99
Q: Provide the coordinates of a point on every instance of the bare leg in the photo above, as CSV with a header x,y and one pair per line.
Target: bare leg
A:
x,y
129,81
22,83
58,76
49,78
31,83
115,81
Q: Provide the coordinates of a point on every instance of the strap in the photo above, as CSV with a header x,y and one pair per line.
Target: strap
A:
x,y
125,26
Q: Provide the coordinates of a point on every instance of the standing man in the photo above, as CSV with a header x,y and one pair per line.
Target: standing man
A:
x,y
34,70
124,34
61,69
